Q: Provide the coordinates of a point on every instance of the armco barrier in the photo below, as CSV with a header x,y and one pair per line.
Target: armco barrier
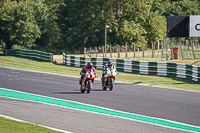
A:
x,y
178,70
31,54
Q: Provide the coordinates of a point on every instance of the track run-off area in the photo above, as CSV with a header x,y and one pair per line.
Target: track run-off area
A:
x,y
128,108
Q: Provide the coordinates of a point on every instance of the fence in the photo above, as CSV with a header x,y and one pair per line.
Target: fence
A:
x,y
31,54
186,50
178,70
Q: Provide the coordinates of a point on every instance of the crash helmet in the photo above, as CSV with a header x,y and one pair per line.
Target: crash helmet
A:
x,y
89,65
109,63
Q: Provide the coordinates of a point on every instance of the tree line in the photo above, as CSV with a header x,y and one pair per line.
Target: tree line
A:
x,y
68,25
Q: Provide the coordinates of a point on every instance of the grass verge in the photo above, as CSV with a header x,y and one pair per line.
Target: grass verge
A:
x,y
14,62
11,126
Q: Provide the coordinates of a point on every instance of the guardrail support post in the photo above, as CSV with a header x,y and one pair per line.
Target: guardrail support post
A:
x,y
96,50
84,52
192,43
143,50
51,57
110,51
181,51
118,49
152,45
126,51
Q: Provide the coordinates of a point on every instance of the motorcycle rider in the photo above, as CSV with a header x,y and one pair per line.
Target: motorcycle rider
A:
x,y
107,65
86,68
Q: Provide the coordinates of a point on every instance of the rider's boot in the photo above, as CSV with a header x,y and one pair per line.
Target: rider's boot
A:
x,y
102,79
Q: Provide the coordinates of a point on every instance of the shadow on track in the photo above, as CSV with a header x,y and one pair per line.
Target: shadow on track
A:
x,y
97,90
77,91
70,92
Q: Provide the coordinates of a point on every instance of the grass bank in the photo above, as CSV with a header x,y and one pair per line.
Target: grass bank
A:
x,y
14,62
11,126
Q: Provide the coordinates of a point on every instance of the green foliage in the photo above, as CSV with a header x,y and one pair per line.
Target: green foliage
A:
x,y
156,27
29,24
59,25
82,23
49,40
131,32
177,8
184,7
18,24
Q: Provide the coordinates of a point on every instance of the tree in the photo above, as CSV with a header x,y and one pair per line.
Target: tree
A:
x,y
50,37
156,27
131,32
74,24
133,19
177,7
18,24
82,23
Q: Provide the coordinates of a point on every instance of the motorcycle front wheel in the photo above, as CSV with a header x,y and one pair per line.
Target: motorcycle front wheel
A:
x,y
103,85
89,87
82,90
111,85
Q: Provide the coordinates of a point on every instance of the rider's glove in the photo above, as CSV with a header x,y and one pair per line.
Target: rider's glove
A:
x,y
81,73
117,72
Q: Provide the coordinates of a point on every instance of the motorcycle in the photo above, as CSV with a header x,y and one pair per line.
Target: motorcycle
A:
x,y
109,78
88,81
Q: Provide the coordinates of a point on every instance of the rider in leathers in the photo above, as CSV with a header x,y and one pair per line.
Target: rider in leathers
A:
x,y
107,65
84,69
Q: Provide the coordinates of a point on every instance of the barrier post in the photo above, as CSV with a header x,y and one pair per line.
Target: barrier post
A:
x,y
126,51
96,50
110,51
192,43
152,45
84,52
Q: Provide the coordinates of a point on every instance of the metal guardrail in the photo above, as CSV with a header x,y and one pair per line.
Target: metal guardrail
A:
x,y
178,70
31,54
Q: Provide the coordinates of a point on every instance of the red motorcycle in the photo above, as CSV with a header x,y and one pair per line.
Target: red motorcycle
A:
x,y
88,81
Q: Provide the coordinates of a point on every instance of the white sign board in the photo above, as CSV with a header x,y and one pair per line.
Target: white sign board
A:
x,y
194,23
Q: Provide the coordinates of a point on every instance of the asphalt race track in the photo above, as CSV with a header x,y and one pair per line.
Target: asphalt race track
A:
x,y
171,104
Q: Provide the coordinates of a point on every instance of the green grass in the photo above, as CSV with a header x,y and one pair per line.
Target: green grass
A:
x,y
14,62
11,126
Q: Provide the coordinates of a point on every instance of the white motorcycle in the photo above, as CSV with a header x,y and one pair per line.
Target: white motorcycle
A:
x,y
109,78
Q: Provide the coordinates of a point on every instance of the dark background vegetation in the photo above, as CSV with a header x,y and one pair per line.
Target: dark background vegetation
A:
x,y
69,25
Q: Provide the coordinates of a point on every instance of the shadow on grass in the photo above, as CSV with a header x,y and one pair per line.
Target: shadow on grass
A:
x,y
183,81
195,62
177,79
137,83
